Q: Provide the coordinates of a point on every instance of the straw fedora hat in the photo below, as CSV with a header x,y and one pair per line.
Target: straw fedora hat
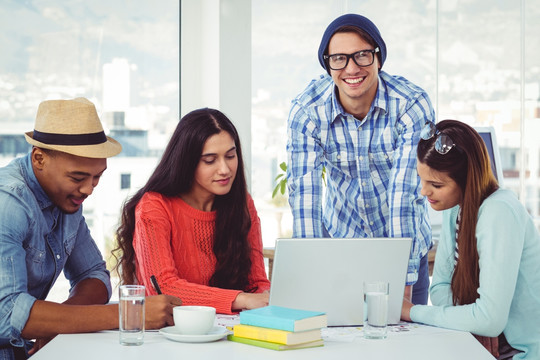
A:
x,y
73,127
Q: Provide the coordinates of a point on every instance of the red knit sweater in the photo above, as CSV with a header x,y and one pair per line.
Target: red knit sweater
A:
x,y
173,241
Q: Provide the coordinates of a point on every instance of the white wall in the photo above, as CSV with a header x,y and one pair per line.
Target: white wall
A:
x,y
215,65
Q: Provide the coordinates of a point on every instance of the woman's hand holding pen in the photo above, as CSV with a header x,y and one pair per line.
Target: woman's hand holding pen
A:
x,y
159,311
159,308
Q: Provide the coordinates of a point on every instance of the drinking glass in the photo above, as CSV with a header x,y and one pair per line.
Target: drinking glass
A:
x,y
375,309
131,314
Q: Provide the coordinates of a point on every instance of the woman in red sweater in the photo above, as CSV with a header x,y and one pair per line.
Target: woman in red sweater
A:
x,y
193,225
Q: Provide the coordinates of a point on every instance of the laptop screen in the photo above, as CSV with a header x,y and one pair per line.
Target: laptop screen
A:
x,y
328,275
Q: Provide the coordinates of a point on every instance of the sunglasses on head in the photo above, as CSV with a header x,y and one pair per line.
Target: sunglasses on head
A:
x,y
443,142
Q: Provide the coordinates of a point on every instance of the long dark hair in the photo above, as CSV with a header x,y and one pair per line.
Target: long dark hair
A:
x,y
174,175
469,166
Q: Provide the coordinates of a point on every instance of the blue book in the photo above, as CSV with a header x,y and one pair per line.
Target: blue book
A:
x,y
282,318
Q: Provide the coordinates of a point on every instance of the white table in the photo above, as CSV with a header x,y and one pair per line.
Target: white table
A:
x,y
422,342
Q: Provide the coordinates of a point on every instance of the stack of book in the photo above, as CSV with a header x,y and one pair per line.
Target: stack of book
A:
x,y
280,328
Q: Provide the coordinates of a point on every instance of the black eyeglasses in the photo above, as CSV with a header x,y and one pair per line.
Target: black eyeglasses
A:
x,y
443,143
361,58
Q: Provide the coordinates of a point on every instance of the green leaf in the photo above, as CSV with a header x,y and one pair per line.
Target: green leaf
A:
x,y
281,180
275,191
281,186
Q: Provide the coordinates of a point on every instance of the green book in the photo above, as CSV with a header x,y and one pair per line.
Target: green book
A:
x,y
275,346
275,335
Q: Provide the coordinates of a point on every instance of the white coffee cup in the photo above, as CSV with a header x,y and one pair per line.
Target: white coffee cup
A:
x,y
194,320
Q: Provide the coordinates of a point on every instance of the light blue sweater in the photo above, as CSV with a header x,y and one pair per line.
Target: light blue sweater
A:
x,y
509,254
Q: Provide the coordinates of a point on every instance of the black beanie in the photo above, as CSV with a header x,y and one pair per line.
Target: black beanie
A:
x,y
355,20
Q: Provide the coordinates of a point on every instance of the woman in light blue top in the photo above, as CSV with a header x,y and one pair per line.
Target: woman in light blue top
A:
x,y
486,278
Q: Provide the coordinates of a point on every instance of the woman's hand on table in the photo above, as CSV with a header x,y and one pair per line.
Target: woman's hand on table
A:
x,y
159,311
406,310
246,301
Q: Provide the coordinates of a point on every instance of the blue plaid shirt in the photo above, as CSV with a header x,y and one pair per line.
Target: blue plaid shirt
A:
x,y
372,187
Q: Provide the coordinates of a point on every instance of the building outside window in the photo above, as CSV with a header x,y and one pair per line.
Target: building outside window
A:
x,y
125,181
121,55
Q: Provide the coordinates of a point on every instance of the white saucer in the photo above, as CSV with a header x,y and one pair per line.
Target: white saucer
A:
x,y
217,332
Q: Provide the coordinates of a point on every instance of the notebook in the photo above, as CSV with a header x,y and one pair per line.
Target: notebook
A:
x,y
327,274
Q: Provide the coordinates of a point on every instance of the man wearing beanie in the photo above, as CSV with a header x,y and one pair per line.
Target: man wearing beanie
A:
x,y
362,126
43,232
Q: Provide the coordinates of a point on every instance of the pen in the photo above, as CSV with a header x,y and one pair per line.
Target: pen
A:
x,y
156,285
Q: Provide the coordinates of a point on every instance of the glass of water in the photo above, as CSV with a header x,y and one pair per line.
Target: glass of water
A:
x,y
131,314
375,309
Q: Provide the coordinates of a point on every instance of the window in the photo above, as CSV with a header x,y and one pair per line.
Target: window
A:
x,y
250,58
483,75
282,73
125,181
121,55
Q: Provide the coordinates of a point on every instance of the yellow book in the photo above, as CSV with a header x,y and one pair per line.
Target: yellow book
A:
x,y
276,336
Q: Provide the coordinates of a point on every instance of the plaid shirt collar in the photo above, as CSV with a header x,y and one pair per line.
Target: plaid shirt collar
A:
x,y
380,101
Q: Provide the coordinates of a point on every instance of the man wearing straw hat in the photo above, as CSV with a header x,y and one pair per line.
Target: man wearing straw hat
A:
x,y
43,232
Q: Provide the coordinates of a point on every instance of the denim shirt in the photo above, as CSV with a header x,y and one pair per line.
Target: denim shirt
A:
x,y
37,242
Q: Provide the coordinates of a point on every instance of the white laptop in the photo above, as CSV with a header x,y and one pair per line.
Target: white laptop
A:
x,y
327,274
